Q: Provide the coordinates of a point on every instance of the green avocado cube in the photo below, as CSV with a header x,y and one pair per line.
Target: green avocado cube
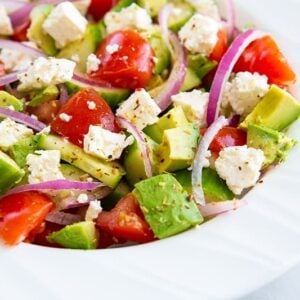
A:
x,y
7,100
166,205
172,119
82,235
51,92
275,145
276,110
177,150
10,172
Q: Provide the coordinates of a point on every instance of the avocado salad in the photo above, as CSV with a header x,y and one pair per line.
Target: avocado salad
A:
x,y
132,121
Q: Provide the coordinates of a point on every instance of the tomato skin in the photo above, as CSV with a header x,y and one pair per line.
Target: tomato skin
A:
x,y
82,117
264,57
20,34
130,66
126,221
221,46
227,137
21,213
98,8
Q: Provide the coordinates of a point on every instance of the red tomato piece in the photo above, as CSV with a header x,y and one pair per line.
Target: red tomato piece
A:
x,y
98,8
126,60
21,213
264,57
20,34
82,117
126,221
227,137
221,46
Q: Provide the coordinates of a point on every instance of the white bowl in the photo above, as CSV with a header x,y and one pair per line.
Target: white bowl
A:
x,y
225,258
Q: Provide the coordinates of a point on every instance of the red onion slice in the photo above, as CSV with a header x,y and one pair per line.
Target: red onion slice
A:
x,y
224,70
234,121
62,218
11,5
199,159
64,96
230,18
57,185
163,19
20,16
123,123
173,84
21,47
22,118
9,78
216,208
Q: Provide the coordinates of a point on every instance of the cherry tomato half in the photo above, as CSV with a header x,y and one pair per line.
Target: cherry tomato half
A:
x,y
126,221
81,116
221,46
21,213
126,60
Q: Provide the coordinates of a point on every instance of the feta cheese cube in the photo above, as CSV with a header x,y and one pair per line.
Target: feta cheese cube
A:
x,y
194,105
65,24
200,34
11,132
93,210
240,167
5,23
245,91
44,166
133,17
104,143
44,72
207,8
140,109
92,63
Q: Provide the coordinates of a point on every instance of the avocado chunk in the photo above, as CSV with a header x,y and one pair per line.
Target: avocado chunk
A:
x,y
7,100
215,188
72,173
83,235
276,110
36,33
134,163
200,65
172,119
162,53
166,205
177,149
152,6
191,80
184,11
22,148
110,173
112,199
274,144
51,92
113,96
82,48
10,172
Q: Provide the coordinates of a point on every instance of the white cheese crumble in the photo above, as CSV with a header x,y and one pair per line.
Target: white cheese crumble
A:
x,y
140,109
44,166
15,60
206,7
200,34
44,72
133,17
245,91
104,143
194,105
82,198
91,105
65,24
111,49
75,58
65,117
92,63
240,166
93,210
11,132
5,23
